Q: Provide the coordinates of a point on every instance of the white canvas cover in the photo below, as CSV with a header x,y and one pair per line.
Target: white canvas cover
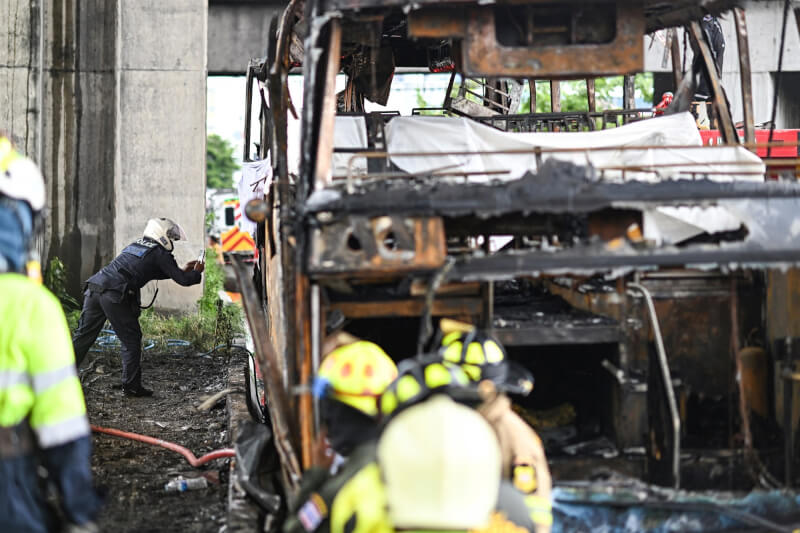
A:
x,y
349,132
658,161
438,135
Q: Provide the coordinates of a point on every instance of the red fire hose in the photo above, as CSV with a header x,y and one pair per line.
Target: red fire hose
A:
x,y
186,453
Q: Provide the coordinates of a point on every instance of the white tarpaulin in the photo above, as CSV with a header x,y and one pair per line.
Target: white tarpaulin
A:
x,y
453,145
349,132
440,136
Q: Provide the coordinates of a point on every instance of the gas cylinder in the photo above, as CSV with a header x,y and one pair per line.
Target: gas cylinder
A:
x,y
754,378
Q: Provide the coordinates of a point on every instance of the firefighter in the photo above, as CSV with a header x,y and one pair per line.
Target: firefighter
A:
x,y
419,476
426,376
43,420
524,462
440,464
712,33
350,379
113,293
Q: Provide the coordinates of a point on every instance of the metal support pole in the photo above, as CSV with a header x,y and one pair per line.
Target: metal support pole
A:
x,y
744,72
248,113
316,344
663,364
788,397
532,87
590,95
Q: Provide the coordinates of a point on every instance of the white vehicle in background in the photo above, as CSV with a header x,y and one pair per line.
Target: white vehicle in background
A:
x,y
226,223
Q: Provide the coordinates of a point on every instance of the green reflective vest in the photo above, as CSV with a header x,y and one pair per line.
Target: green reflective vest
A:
x,y
38,380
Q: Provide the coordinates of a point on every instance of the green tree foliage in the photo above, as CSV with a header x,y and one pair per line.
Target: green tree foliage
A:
x,y
573,94
220,163
608,94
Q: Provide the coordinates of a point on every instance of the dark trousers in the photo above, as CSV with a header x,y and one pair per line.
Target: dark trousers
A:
x,y
23,506
124,318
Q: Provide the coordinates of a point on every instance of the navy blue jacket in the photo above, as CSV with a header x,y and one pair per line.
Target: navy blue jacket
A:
x,y
140,262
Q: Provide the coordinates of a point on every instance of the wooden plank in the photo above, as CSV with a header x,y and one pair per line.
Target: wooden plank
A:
x,y
549,335
409,308
420,288
628,93
532,87
325,144
555,96
305,405
745,74
675,55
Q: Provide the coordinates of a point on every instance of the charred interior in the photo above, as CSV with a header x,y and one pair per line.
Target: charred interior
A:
x,y
645,281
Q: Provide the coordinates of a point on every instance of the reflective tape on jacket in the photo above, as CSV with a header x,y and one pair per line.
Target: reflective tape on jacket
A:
x,y
541,510
38,380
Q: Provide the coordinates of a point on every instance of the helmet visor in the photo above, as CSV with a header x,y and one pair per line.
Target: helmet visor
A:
x,y
176,233
517,379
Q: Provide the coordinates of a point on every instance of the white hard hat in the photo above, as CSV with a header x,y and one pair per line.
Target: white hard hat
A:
x,y
164,231
20,178
441,464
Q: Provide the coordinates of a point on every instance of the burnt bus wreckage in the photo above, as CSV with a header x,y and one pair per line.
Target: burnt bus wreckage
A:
x,y
647,281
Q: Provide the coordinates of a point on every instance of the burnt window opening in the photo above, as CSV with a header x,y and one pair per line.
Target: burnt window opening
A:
x,y
555,24
353,243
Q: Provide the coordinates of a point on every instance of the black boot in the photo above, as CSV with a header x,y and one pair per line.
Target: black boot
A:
x,y
137,391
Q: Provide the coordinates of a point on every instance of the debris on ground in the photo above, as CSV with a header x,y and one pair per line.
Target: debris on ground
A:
x,y
133,474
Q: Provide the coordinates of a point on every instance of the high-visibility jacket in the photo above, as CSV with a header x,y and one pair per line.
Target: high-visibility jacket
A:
x,y
38,380
354,501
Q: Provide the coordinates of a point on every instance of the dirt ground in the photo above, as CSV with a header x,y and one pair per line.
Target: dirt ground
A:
x,y
133,474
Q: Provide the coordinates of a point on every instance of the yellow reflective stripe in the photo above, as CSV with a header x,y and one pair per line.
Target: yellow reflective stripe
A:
x,y
494,354
388,402
452,353
544,518
436,375
45,380
407,388
540,509
475,355
474,372
62,432
450,338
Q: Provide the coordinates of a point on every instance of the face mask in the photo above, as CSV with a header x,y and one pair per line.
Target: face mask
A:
x,y
16,229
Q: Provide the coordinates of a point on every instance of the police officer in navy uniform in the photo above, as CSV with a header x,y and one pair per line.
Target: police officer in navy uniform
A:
x,y
113,294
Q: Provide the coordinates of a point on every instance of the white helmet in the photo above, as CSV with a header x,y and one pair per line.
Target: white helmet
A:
x,y
454,484
164,231
20,178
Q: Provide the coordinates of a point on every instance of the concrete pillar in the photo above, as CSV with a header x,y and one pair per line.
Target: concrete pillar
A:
x,y
161,126
109,97
237,33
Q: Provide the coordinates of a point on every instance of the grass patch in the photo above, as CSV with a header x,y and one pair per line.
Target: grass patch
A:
x,y
214,323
